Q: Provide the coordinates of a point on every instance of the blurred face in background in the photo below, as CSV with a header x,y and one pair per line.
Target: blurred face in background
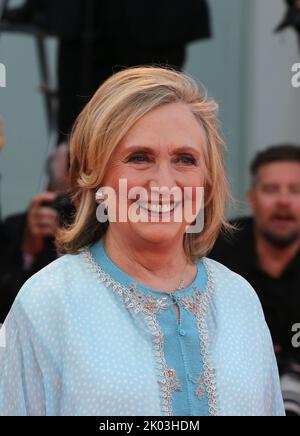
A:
x,y
275,201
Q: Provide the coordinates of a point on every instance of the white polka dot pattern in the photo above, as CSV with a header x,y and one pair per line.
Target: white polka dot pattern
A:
x,y
72,348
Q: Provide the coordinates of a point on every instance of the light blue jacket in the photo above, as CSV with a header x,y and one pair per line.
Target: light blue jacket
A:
x,y
79,342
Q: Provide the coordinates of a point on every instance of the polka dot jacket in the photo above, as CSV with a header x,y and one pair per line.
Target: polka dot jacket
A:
x,y
83,338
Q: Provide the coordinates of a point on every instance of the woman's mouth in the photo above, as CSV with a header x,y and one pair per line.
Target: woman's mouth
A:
x,y
161,209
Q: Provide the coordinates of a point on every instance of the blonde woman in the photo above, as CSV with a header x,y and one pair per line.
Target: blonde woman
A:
x,y
134,319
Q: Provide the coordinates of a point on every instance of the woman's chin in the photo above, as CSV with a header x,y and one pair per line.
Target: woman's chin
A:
x,y
158,232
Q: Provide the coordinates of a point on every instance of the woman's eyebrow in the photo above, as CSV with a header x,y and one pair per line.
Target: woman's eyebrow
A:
x,y
148,149
186,149
139,148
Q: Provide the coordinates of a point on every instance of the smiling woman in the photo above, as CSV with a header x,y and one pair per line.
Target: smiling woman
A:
x,y
140,123
134,319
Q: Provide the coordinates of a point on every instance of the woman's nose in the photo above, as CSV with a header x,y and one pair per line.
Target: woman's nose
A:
x,y
163,177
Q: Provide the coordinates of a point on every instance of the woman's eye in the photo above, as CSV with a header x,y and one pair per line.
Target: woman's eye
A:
x,y
138,158
142,158
187,160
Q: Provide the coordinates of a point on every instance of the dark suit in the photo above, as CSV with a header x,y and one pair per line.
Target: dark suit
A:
x,y
97,37
12,271
151,23
159,22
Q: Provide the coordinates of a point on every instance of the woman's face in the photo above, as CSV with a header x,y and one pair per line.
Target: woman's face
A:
x,y
164,149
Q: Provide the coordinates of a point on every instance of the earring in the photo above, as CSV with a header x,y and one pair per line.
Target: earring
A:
x,y
102,211
99,197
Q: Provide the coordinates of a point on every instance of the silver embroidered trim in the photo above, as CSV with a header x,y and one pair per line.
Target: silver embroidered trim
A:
x,y
199,305
200,389
148,306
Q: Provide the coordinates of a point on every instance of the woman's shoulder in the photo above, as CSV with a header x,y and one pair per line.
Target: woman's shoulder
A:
x,y
227,276
232,287
236,304
58,268
53,283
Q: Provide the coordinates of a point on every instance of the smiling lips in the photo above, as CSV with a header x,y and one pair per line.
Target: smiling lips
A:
x,y
158,208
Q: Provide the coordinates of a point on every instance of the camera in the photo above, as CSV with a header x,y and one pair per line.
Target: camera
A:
x,y
290,385
65,208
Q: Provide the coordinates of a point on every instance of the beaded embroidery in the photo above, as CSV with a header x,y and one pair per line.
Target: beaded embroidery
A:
x,y
198,305
149,307
200,389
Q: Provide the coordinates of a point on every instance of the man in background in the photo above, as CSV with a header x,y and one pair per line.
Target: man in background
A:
x,y
27,239
266,248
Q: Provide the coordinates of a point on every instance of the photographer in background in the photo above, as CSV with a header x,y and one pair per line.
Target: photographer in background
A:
x,y
27,240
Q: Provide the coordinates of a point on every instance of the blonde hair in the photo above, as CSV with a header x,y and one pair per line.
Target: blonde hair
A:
x,y
118,104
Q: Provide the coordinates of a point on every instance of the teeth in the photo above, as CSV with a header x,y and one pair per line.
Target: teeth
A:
x,y
166,208
156,208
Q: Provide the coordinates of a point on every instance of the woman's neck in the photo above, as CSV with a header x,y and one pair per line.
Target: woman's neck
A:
x,y
151,264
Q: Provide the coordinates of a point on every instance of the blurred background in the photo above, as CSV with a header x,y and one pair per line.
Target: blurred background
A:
x,y
244,66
